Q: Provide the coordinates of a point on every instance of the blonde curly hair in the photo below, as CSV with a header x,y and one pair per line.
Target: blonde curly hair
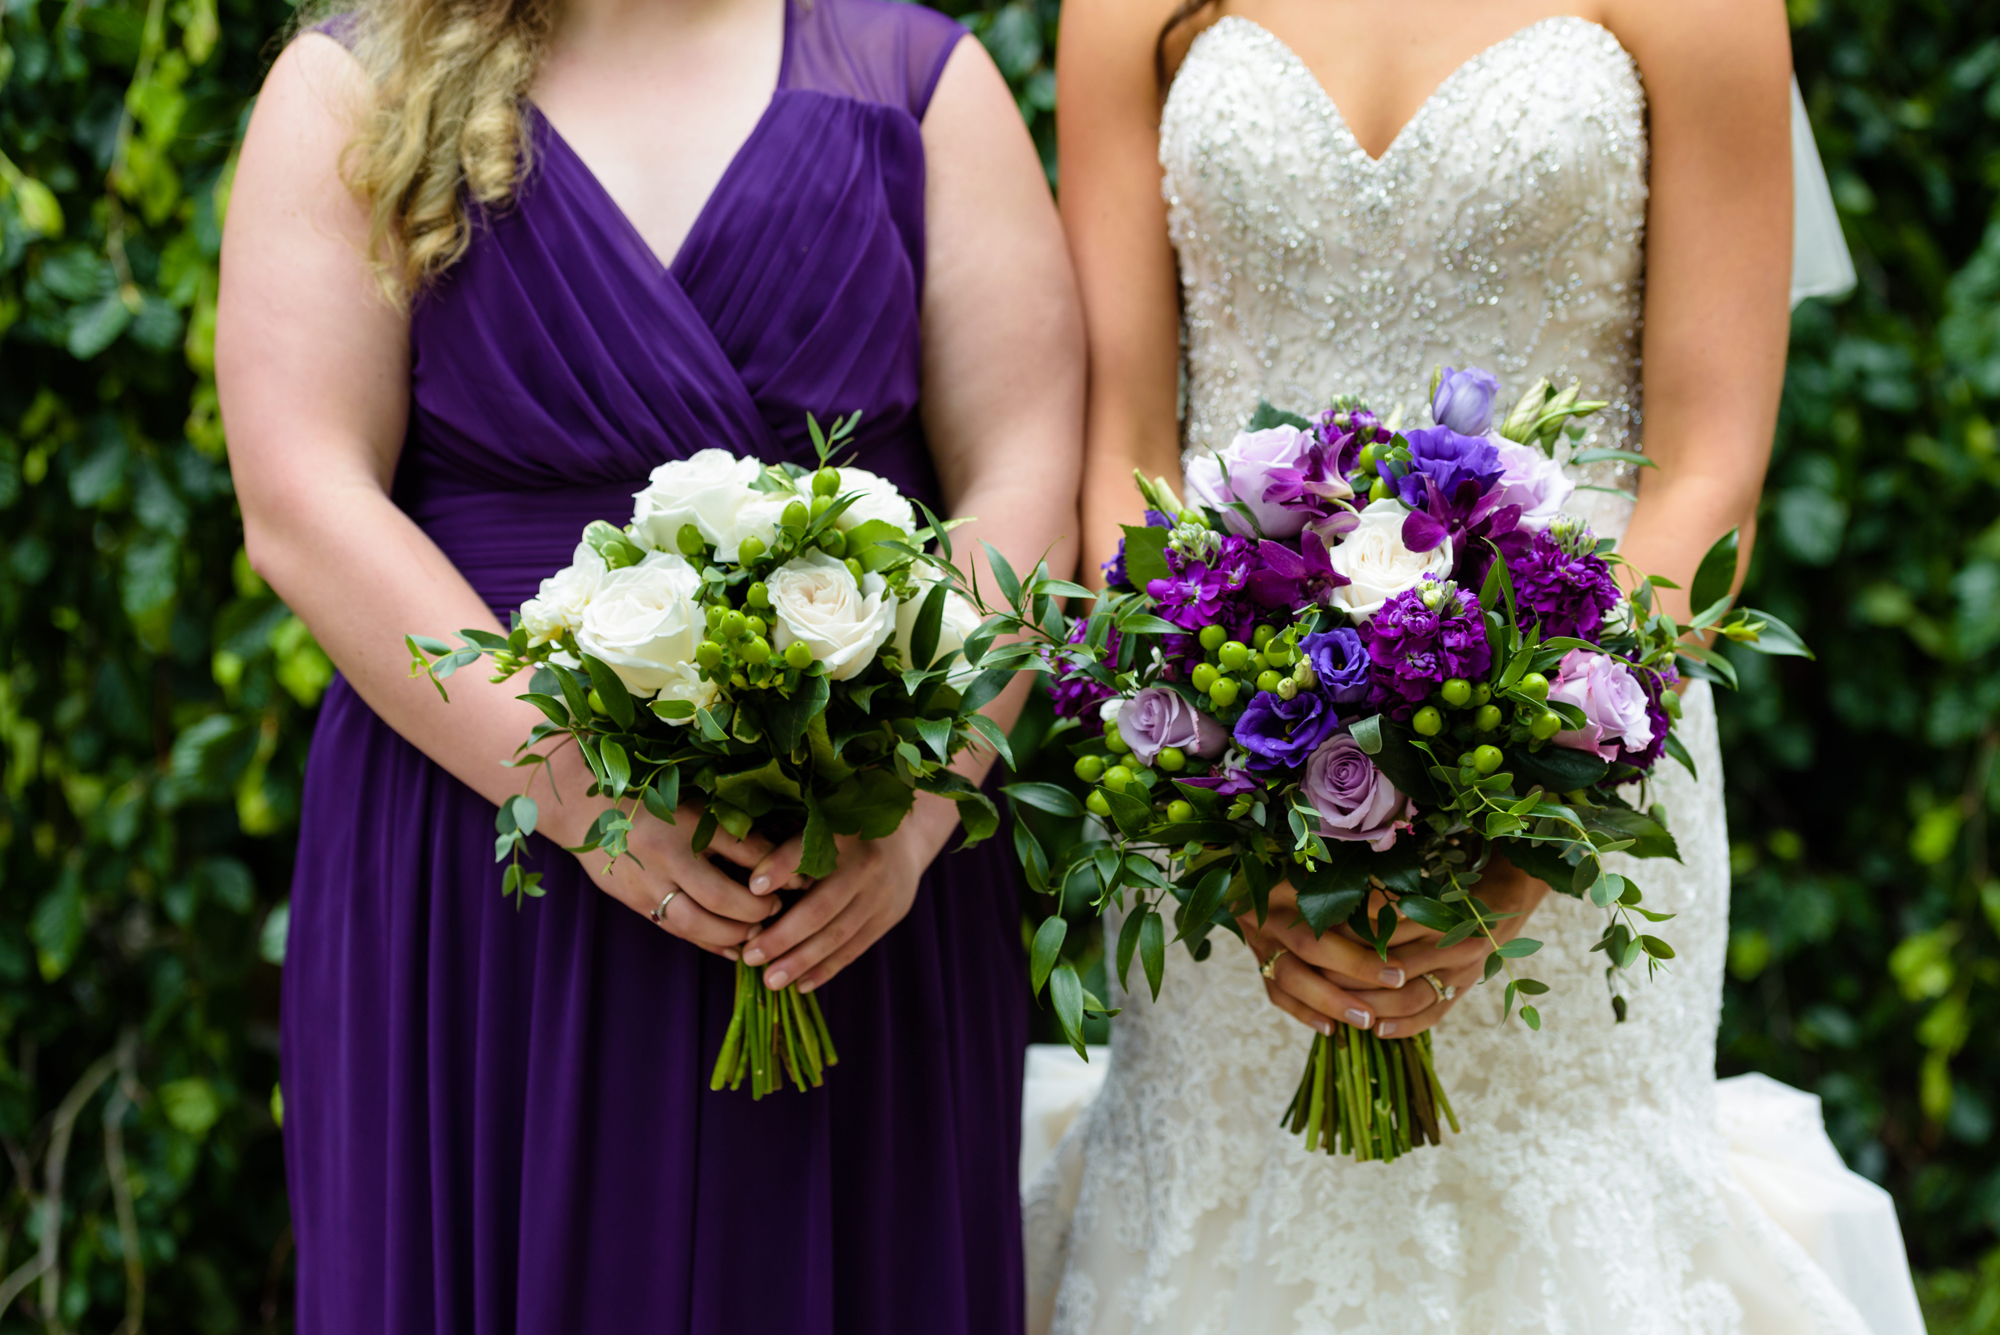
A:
x,y
445,128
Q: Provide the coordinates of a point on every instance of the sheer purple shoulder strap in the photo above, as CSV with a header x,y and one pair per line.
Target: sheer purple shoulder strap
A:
x,y
344,28
879,51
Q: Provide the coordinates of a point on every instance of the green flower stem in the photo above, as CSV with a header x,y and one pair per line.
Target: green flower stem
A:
x,y
773,1038
1369,1098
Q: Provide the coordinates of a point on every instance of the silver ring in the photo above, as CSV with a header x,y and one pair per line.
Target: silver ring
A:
x,y
659,915
1445,991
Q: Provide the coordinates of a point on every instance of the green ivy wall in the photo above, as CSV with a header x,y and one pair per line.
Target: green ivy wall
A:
x,y
156,700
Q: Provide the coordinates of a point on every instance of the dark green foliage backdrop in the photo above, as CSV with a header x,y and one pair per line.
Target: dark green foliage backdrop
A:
x,y
155,699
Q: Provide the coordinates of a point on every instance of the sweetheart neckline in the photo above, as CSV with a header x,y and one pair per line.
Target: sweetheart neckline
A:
x,y
1294,60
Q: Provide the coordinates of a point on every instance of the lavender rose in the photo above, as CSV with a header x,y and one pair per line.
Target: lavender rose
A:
x,y
1339,658
1463,400
1355,801
1533,481
1251,459
1615,706
1157,718
1280,733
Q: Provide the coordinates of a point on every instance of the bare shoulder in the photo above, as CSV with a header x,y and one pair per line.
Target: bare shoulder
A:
x,y
1718,51
315,82
1116,38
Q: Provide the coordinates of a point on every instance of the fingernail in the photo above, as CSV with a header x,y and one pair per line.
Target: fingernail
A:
x,y
806,987
1392,977
728,953
753,956
1325,1027
1388,1029
774,981
1359,1019
759,884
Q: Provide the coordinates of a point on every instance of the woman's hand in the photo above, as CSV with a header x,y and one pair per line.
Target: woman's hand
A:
x,y
704,907
1319,979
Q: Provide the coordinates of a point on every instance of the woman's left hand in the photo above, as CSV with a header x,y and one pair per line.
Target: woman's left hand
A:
x,y
838,918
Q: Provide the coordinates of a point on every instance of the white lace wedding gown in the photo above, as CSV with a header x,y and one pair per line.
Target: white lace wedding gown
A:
x,y
1589,1190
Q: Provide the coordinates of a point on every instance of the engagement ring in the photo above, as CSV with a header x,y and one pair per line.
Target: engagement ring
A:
x,y
659,915
1270,969
1445,991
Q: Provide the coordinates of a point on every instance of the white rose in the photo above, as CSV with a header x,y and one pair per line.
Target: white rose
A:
x,y
816,600
879,499
1377,564
707,489
559,604
644,624
1532,481
959,621
758,518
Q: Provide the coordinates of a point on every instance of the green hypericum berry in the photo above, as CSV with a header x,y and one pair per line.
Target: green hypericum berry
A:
x,y
1546,725
709,654
1211,637
750,549
1118,778
1268,680
798,655
833,542
1224,691
734,623
1180,810
1535,686
1204,675
1090,768
1234,655
1114,743
756,651
1486,759
1171,759
796,515
820,505
596,702
1262,636
826,482
1457,692
757,595
689,540
755,625
1097,804
1481,694
1369,454
1427,721
715,613
1379,490
1487,719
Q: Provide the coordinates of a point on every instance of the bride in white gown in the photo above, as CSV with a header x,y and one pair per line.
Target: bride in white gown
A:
x,y
1505,224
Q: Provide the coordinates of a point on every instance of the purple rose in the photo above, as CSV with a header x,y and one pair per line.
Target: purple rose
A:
x,y
1450,460
1355,801
1617,713
1250,460
1279,733
1157,718
1340,659
1463,400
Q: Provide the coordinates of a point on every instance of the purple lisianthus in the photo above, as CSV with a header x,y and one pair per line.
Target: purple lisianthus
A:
x,y
1157,718
1073,692
1451,461
1281,733
1339,658
1422,638
1463,400
1243,472
1561,584
1355,801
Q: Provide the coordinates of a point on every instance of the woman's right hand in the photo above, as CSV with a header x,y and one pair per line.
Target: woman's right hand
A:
x,y
707,909
1317,978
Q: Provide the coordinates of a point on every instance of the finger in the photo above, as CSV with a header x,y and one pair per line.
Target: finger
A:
x,y
686,919
820,906
1411,1026
844,928
1344,956
1398,1003
865,936
716,892
744,852
1310,988
779,868
1467,954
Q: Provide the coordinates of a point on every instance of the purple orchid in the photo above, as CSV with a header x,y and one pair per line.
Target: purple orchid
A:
x,y
1290,579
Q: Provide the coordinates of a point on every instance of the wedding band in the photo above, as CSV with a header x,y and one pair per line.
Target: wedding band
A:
x,y
659,915
1445,991
1270,969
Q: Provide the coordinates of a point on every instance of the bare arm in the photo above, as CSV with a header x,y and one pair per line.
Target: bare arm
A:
x,y
1003,403
1718,267
1116,221
313,369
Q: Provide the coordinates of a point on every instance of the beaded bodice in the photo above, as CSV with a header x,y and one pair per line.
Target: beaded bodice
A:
x,y
1504,228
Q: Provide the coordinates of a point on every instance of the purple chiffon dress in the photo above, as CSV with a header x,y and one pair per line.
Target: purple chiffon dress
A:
x,y
498,1120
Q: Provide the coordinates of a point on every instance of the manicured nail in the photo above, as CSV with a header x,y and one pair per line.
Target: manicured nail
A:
x,y
1325,1027
807,986
1392,977
729,953
775,981
753,956
759,884
1359,1019
1388,1029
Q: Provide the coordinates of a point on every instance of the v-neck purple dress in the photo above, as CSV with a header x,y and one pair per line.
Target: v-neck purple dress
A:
x,y
496,1120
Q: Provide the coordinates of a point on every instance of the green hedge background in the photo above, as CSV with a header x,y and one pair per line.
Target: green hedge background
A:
x,y
156,700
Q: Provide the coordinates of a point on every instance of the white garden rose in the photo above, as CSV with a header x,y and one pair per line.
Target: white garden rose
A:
x,y
707,489
960,620
559,604
879,499
1377,564
644,625
816,600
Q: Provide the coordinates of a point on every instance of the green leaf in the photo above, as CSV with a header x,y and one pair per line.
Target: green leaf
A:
x,y
663,795
1558,768
1268,416
789,719
936,733
985,687
1153,950
871,804
1044,797
1129,814
522,809
1650,838
1775,638
978,817
817,851
996,736
617,765
1332,890
1003,574
1518,948
1128,942
611,690
1427,912
930,620
1717,572
1066,992
1203,903
1657,948
1367,733
1678,750
1145,555
1046,951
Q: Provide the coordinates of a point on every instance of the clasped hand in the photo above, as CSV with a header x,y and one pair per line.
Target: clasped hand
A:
x,y
1337,978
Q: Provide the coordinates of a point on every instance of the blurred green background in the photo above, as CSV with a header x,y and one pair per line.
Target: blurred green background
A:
x,y
156,700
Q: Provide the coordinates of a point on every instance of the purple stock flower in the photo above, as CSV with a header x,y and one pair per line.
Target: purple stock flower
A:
x,y
1210,592
1281,733
1422,638
1074,693
1355,801
1340,659
1561,584
1463,400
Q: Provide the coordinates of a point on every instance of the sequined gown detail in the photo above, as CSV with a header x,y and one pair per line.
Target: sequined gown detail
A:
x,y
1504,227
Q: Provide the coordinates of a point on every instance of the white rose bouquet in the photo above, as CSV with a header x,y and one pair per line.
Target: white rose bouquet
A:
x,y
778,643
1364,661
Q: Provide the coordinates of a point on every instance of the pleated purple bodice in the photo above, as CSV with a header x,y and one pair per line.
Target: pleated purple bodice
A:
x,y
497,1120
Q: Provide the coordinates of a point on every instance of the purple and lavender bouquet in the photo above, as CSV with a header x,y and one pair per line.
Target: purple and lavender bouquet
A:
x,y
1365,661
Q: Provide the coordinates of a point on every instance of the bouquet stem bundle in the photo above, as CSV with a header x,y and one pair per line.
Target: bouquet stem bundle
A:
x,y
772,1037
1369,1097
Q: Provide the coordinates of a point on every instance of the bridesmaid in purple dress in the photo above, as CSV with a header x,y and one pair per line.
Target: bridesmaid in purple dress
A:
x,y
488,262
